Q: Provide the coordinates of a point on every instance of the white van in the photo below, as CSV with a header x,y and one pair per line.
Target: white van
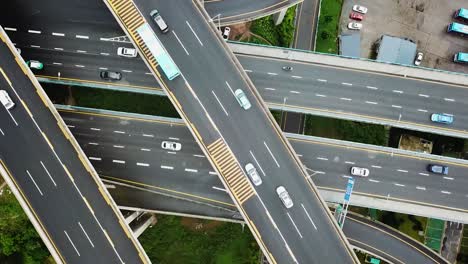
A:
x,y
6,100
159,21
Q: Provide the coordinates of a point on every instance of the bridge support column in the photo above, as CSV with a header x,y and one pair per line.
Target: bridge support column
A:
x,y
132,216
142,223
278,17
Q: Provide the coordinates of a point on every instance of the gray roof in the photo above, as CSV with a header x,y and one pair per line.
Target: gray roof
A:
x,y
396,50
350,45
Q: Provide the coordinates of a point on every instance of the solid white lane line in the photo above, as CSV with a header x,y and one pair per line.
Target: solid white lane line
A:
x,y
307,213
371,180
86,234
346,99
58,48
2,132
95,129
9,29
269,151
148,135
219,189
347,84
71,242
370,102
174,138
219,102
171,152
145,149
81,51
79,66
47,171
190,170
398,184
321,158
248,70
272,73
446,192
81,37
94,158
34,31
58,34
57,63
448,178
320,95
119,146
349,162
40,192
423,174
398,91
12,118
127,71
180,42
321,80
142,164
372,87
93,143
119,161
402,170
270,89
104,54
295,92
167,167
296,77
119,132
423,95
258,164
396,106
193,31
421,188
294,224
200,156
422,110
449,99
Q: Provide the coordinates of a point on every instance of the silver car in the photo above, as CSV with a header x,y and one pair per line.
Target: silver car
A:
x,y
362,172
284,196
127,52
242,99
6,100
253,174
169,145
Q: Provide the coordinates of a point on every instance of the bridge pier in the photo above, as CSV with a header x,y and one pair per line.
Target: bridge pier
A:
x,y
278,17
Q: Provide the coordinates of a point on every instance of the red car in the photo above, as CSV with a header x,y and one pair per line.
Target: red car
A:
x,y
356,16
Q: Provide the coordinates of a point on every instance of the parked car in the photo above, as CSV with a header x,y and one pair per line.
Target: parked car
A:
x,y
355,26
253,174
169,145
360,9
6,100
442,118
226,32
159,21
34,64
111,75
242,99
284,196
127,52
437,169
419,58
361,172
356,16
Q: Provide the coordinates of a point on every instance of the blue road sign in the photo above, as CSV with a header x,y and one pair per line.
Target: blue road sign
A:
x,y
349,189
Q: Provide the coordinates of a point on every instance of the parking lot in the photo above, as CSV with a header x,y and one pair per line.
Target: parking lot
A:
x,y
423,21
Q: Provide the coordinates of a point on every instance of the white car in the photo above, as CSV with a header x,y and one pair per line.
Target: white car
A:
x,y
242,99
127,52
360,9
253,174
169,145
361,172
418,59
355,26
226,32
6,100
284,196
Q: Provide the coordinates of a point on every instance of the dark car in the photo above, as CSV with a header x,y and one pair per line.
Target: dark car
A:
x,y
356,16
111,75
438,169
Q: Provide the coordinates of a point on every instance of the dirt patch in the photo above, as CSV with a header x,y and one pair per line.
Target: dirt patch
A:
x,y
199,225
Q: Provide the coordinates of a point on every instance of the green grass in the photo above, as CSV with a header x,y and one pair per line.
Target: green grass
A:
x,y
408,224
281,35
463,253
346,130
327,33
170,242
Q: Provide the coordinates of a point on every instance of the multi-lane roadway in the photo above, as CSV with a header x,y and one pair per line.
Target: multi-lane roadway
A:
x,y
75,216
